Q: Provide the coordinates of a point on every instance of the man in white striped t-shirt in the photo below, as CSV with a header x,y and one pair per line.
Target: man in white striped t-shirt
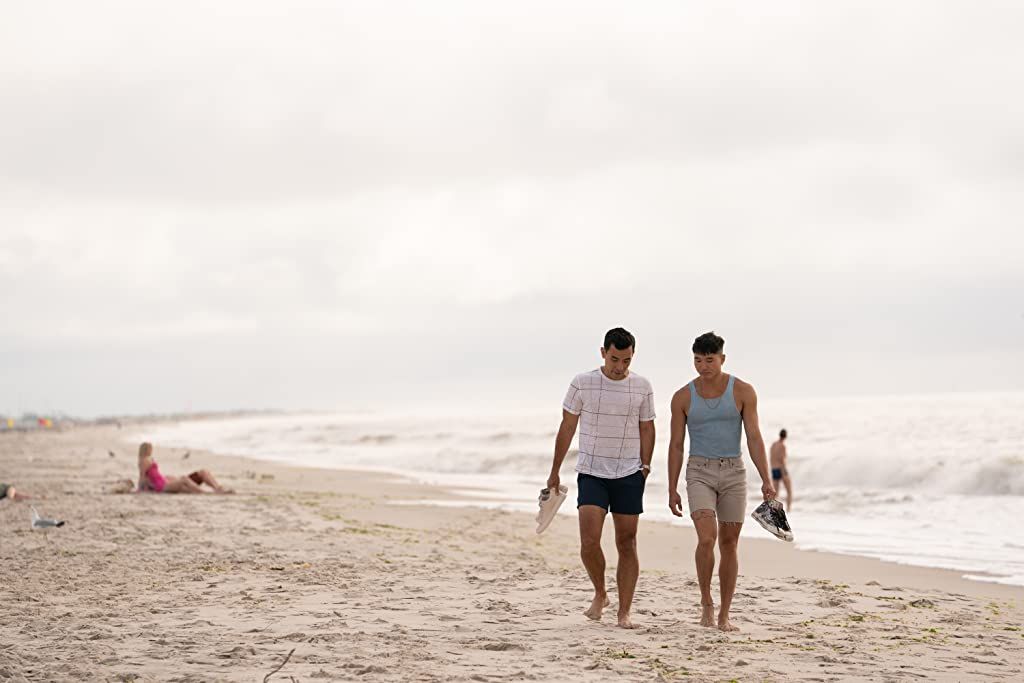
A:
x,y
615,449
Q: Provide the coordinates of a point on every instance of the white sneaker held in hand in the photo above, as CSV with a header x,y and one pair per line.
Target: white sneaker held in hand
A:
x,y
549,501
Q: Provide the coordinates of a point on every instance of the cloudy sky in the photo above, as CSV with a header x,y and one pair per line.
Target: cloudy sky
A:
x,y
317,205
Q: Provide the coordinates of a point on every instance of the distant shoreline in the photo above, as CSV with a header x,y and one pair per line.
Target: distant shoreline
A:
x,y
28,422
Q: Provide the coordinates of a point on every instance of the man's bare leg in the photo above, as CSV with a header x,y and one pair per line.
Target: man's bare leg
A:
x,y
629,564
707,532
789,493
728,569
591,524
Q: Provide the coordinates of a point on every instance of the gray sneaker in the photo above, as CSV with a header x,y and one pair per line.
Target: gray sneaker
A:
x,y
772,518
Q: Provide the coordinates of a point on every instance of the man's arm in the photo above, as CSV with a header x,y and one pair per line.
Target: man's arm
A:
x,y
646,445
566,431
755,444
676,442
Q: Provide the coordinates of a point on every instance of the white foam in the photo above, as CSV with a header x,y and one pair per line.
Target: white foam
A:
x,y
931,481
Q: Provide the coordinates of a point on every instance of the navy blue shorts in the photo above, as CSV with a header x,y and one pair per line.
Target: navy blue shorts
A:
x,y
623,496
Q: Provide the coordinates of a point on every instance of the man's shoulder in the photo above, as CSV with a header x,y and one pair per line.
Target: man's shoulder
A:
x,y
681,399
585,380
744,387
684,391
641,382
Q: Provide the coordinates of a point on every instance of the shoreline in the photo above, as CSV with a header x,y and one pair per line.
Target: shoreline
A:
x,y
451,496
765,554
323,564
419,494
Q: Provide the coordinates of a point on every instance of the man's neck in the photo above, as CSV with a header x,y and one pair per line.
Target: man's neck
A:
x,y
714,384
614,379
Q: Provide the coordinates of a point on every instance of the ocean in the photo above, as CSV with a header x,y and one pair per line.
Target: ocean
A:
x,y
934,480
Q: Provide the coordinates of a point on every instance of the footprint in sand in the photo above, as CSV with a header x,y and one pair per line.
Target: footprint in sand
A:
x,y
502,647
237,652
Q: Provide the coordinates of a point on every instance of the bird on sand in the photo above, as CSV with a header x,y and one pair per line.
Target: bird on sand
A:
x,y
43,522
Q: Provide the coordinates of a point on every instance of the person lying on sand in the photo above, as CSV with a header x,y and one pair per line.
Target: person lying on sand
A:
x,y
151,479
8,492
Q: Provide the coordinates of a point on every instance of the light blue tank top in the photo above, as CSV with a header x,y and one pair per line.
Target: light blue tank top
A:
x,y
715,425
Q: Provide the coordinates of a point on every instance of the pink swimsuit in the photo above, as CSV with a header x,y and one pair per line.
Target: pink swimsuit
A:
x,y
156,480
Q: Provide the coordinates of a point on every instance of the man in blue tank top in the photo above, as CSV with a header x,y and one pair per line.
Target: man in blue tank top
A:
x,y
714,407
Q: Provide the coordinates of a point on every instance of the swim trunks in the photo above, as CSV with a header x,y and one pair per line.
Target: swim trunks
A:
x,y
623,496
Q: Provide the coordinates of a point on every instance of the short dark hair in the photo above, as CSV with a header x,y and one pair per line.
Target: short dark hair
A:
x,y
782,434
620,339
708,343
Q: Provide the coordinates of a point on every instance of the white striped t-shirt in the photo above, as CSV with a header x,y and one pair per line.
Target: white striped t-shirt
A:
x,y
610,415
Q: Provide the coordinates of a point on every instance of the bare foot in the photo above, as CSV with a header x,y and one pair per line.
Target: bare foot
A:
x,y
724,624
707,615
597,606
626,622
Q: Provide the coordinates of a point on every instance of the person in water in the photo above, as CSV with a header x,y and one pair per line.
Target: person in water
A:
x,y
780,468
152,479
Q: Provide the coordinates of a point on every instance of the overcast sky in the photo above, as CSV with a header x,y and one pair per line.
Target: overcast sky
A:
x,y
318,205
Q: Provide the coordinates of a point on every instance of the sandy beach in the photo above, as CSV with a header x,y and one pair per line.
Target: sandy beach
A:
x,y
331,568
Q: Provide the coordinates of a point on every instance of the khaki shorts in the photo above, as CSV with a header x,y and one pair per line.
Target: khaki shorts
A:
x,y
718,484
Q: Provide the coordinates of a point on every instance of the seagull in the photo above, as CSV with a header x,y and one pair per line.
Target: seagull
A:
x,y
43,522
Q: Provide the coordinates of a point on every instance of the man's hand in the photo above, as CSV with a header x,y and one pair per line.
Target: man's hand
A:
x,y
554,481
675,503
767,490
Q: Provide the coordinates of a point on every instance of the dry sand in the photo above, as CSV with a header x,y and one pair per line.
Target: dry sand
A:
x,y
322,564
